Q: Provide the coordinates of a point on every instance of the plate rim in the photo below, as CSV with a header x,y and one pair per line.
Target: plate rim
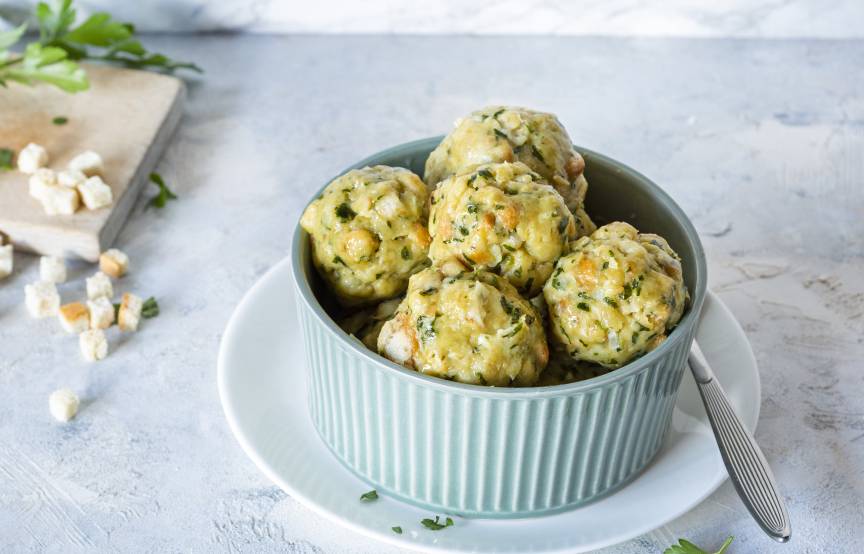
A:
x,y
229,409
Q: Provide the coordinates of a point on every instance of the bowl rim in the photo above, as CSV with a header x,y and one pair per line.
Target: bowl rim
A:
x,y
354,345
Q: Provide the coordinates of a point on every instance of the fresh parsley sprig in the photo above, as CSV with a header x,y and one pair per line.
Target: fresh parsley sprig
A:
x,y
6,155
369,496
686,547
52,59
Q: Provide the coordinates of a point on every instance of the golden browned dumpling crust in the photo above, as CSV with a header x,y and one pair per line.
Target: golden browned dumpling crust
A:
x,y
510,134
472,328
502,218
615,296
368,231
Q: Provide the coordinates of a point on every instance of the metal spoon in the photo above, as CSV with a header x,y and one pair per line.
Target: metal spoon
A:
x,y
746,465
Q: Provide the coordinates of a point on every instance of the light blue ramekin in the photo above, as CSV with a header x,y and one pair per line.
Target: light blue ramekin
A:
x,y
500,452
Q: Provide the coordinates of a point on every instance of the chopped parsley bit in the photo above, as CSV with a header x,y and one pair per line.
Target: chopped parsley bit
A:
x,y
635,337
499,112
378,275
426,327
564,332
369,496
528,284
537,154
500,134
611,302
556,284
344,212
605,265
583,306
516,329
499,206
508,247
60,120
485,173
406,253
463,230
468,260
436,525
427,292
472,208
513,311
165,194
150,308
583,294
397,530
338,260
6,156
686,547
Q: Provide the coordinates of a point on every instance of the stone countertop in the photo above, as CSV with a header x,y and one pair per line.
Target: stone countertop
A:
x,y
759,141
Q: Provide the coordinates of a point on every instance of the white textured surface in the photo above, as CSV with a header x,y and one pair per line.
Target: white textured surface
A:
x,y
759,141
689,18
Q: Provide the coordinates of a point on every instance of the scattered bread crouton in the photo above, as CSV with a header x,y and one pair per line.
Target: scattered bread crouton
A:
x,y
52,269
63,404
94,345
130,312
57,200
101,313
74,317
89,163
70,178
99,285
31,158
6,261
114,263
95,193
42,299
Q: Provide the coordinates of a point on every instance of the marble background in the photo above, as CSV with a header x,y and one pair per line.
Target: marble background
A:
x,y
689,18
760,142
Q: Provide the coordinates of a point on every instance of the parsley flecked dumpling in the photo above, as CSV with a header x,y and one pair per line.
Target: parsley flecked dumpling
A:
x,y
368,233
473,327
510,134
615,296
503,218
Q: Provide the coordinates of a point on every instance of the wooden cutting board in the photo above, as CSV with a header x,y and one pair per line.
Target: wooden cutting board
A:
x,y
126,116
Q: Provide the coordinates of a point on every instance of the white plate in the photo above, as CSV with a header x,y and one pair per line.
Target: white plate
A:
x,y
263,391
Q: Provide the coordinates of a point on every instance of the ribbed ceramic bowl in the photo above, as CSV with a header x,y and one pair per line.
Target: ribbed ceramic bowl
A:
x,y
499,452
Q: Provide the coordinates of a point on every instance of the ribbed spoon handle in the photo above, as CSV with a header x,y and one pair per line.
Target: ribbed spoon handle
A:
x,y
744,461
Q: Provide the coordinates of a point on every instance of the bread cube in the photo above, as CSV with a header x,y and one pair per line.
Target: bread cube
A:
x,y
6,261
31,158
57,200
71,178
114,263
98,286
40,181
52,269
94,345
101,313
63,404
95,193
89,163
130,312
42,299
74,317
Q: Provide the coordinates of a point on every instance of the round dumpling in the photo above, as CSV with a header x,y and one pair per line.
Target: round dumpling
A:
x,y
509,134
503,218
368,232
472,328
615,296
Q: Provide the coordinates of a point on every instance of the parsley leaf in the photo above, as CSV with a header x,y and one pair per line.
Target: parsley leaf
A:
x,y
369,496
6,156
344,212
60,120
436,525
150,309
165,193
686,547
397,530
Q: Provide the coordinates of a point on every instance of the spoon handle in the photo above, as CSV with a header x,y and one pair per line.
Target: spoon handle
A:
x,y
744,461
